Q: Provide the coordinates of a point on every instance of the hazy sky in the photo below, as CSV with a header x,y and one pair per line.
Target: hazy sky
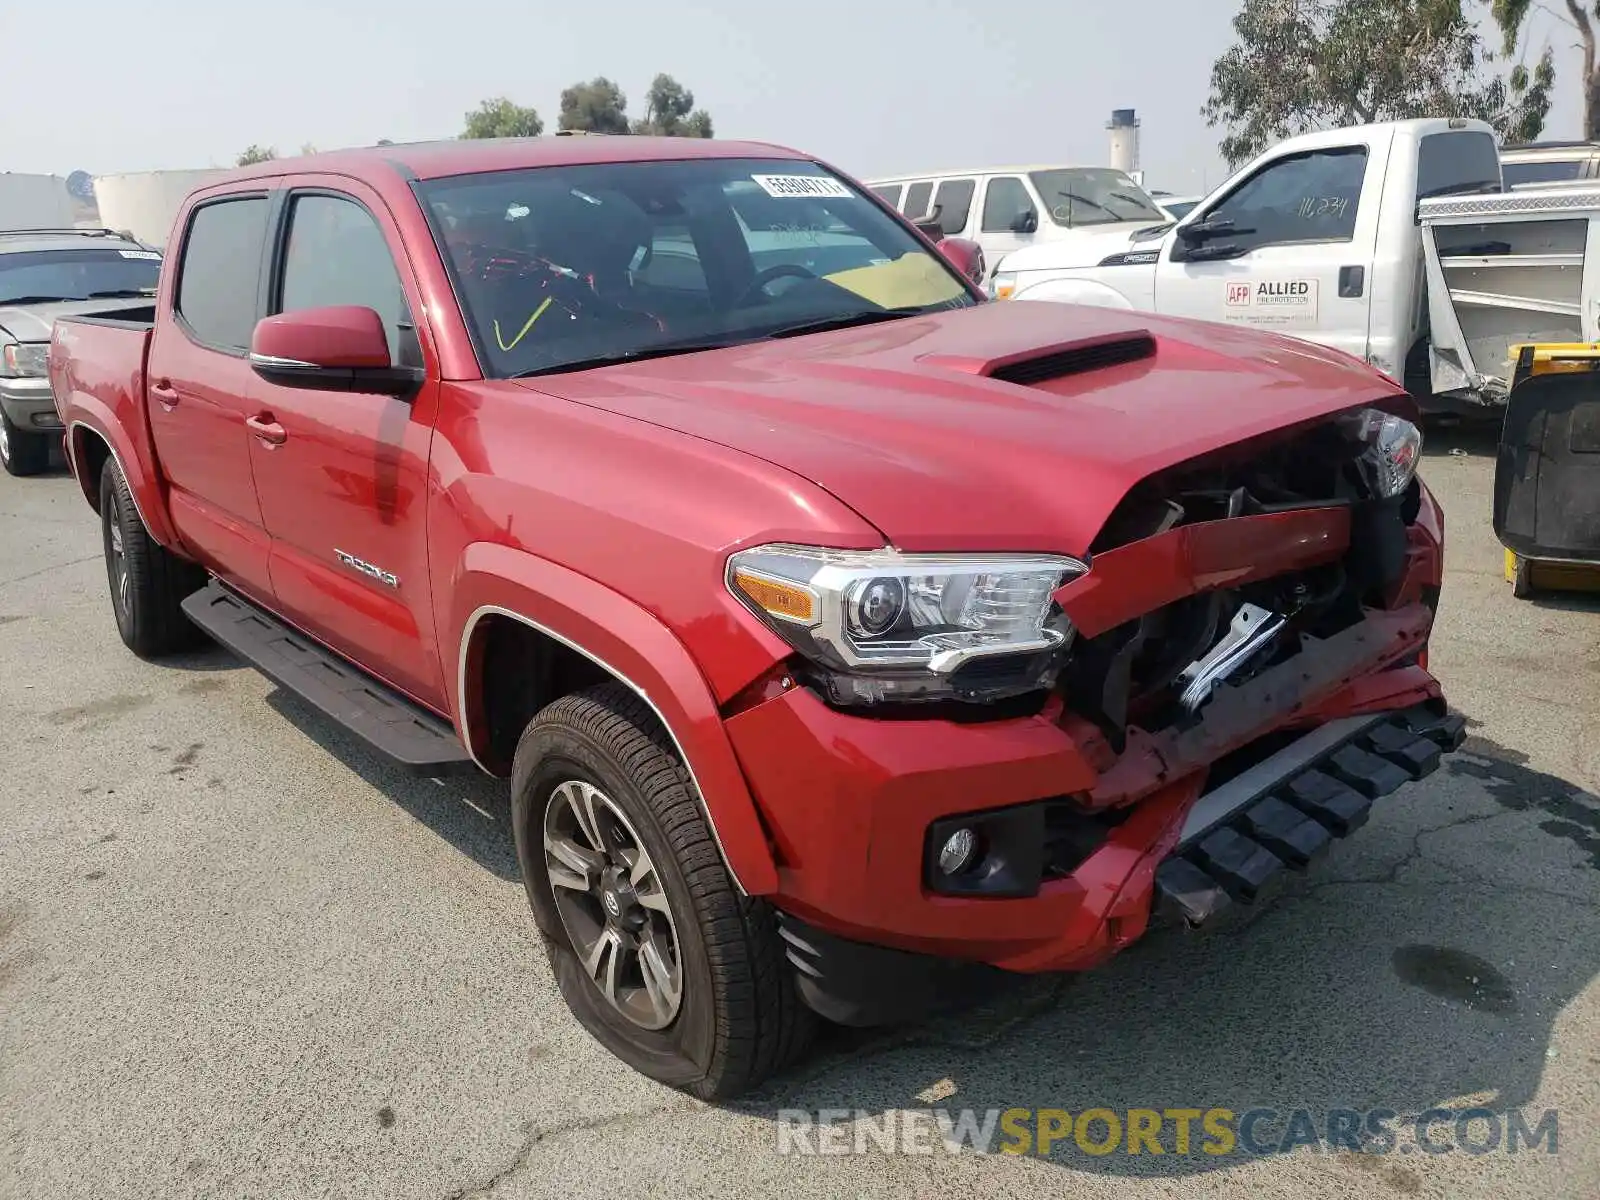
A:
x,y
873,85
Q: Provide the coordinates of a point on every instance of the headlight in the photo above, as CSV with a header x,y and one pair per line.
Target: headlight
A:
x,y
27,359
1392,447
1002,285
884,625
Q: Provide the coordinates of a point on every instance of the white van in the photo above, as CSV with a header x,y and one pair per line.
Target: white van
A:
x,y
1009,208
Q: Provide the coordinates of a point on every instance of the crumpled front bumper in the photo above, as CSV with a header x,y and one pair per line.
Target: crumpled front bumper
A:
x,y
1236,842
1284,813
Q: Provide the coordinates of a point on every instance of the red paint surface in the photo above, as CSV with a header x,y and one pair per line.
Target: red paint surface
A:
x,y
603,505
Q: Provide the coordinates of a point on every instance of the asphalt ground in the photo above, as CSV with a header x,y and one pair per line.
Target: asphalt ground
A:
x,y
241,956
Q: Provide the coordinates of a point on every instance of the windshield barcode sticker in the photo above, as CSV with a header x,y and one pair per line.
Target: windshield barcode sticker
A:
x,y
801,185
145,254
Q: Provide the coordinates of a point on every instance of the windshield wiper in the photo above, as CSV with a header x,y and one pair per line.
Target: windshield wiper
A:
x,y
870,316
121,293
628,356
37,300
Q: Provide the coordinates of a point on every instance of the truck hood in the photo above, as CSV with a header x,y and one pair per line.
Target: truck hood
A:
x,y
33,322
902,421
1086,248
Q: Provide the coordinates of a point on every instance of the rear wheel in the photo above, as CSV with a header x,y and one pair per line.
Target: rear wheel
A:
x,y
22,452
148,582
654,949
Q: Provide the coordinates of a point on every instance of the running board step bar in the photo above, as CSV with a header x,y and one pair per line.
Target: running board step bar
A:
x,y
388,722
1286,811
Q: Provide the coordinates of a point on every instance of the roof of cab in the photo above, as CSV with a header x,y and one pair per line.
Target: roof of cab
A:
x,y
470,156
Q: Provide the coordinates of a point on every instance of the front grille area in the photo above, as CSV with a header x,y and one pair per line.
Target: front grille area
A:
x,y
1126,676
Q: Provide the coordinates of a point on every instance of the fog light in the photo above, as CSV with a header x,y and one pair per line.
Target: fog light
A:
x,y
958,851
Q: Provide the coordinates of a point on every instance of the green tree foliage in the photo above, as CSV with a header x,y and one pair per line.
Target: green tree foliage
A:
x,y
670,111
257,154
500,118
596,107
1512,15
1309,64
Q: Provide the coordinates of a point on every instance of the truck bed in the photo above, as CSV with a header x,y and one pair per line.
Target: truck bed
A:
x,y
97,375
1505,269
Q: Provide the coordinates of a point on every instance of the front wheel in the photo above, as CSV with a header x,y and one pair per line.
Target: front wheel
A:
x,y
22,452
655,951
148,582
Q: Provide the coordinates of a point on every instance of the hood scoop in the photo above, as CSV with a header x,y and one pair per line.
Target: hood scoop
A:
x,y
1089,355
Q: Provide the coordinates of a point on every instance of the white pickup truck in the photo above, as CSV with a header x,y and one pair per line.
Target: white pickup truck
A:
x,y
1317,237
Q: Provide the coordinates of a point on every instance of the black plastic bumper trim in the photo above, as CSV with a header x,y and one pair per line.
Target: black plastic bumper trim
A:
x,y
1284,812
861,985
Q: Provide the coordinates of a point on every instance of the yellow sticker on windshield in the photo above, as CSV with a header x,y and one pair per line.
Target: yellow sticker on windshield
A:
x,y
910,281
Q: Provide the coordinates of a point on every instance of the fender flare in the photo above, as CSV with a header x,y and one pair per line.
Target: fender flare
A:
x,y
1070,290
630,644
94,418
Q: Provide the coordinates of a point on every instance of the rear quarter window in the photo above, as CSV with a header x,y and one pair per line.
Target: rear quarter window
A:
x,y
219,274
1455,164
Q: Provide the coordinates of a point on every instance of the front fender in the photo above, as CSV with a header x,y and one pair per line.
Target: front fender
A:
x,y
1066,290
632,645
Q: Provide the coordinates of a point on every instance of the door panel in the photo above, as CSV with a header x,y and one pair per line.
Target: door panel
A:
x,y
199,384
1302,223
344,494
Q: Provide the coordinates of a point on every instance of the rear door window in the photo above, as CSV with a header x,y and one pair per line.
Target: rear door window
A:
x,y
221,271
918,198
890,193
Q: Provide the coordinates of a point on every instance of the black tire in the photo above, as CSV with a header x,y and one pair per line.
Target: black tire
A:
x,y
23,452
740,1018
147,605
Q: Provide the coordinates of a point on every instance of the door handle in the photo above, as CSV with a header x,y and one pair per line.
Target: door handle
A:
x,y
1352,282
268,430
166,394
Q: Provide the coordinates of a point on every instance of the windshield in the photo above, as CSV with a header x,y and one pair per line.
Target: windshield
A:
x,y
561,266
71,274
1094,196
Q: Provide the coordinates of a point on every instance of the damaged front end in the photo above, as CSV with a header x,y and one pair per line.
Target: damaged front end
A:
x,y
1259,617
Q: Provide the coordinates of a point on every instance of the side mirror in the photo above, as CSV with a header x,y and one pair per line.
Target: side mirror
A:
x,y
1026,221
1209,227
930,228
342,348
965,256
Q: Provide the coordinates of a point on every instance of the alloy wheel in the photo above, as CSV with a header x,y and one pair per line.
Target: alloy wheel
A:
x,y
116,558
613,904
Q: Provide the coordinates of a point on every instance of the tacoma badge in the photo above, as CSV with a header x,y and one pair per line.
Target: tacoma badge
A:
x,y
387,578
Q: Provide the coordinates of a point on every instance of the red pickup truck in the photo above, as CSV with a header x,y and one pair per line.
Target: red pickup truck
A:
x,y
847,640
